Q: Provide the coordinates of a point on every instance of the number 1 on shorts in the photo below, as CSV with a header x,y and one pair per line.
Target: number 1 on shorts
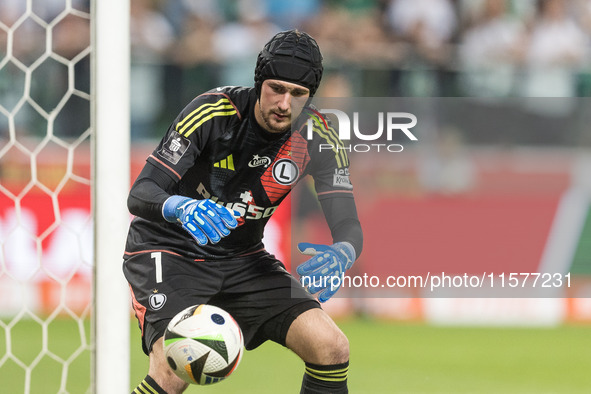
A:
x,y
157,256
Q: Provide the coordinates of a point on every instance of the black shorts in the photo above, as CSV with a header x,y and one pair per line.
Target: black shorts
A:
x,y
256,290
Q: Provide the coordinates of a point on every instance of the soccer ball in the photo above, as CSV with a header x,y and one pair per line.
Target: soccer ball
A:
x,y
203,344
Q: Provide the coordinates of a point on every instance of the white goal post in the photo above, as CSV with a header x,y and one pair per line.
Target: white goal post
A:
x,y
64,179
111,184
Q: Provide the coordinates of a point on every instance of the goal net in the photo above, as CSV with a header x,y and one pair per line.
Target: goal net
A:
x,y
55,322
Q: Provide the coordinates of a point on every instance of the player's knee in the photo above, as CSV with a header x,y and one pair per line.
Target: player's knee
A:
x,y
335,350
341,349
317,339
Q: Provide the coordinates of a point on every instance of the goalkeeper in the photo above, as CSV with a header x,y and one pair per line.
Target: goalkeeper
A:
x,y
201,203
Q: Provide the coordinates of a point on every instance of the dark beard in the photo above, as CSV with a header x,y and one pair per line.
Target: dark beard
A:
x,y
268,123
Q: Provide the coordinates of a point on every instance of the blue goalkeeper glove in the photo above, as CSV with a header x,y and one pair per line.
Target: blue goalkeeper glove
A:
x,y
205,220
324,270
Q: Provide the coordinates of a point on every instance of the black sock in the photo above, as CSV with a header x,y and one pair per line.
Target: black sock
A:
x,y
323,379
148,386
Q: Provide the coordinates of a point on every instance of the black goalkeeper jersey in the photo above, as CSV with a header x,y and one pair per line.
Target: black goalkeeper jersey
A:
x,y
215,149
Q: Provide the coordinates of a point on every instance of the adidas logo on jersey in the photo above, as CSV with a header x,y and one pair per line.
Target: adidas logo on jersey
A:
x,y
227,163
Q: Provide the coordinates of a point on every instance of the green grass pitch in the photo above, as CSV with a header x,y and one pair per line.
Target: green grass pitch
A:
x,y
416,358
386,357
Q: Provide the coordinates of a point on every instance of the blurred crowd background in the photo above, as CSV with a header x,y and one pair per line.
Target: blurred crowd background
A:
x,y
372,48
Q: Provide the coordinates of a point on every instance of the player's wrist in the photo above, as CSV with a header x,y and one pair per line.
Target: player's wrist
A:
x,y
348,249
169,208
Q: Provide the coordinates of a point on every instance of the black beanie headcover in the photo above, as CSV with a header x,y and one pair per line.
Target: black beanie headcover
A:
x,y
291,56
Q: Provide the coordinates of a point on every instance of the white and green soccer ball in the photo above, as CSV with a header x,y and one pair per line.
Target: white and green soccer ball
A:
x,y
203,344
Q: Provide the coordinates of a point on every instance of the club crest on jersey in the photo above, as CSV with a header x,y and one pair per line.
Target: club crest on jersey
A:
x,y
157,301
258,161
285,171
174,148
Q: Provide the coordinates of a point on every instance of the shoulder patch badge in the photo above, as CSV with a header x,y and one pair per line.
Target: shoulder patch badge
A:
x,y
174,148
340,178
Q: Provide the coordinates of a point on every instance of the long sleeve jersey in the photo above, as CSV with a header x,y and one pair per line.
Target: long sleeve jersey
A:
x,y
215,149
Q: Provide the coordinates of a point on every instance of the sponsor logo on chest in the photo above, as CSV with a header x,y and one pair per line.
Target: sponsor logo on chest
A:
x,y
258,161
